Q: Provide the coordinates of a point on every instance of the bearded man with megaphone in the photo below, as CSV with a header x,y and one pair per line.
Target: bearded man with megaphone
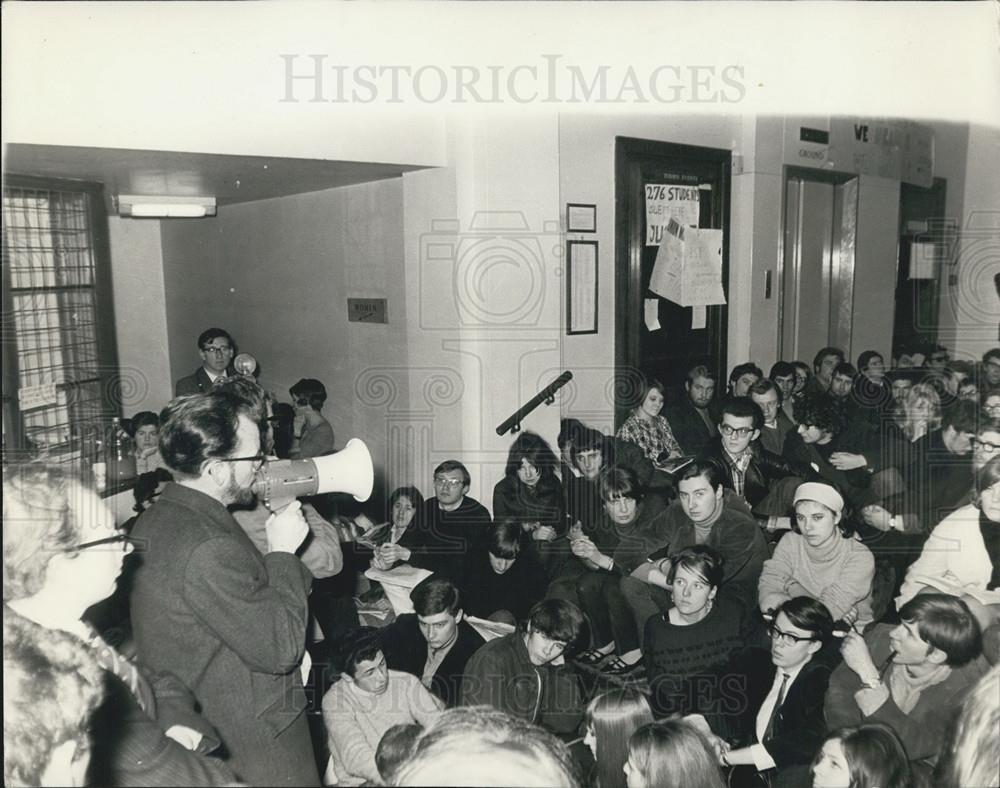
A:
x,y
208,607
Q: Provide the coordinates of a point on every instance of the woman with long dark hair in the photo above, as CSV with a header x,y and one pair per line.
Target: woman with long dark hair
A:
x,y
530,492
868,756
610,721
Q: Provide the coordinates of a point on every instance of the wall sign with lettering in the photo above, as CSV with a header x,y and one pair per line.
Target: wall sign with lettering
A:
x,y
366,310
666,201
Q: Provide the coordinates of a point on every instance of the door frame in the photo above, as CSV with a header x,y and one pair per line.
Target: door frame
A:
x,y
629,245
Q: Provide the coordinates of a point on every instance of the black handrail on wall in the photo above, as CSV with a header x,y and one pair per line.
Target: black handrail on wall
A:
x,y
546,395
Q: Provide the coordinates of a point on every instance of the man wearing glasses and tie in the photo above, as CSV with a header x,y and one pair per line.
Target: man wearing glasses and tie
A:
x,y
216,349
780,725
207,607
450,527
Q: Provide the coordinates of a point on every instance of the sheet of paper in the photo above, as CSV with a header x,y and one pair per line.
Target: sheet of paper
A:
x,y
37,396
666,201
923,256
701,280
699,316
489,629
652,309
665,280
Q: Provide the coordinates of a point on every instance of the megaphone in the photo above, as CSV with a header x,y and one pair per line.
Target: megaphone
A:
x,y
350,470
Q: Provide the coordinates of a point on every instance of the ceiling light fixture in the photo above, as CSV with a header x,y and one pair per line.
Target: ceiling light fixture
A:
x,y
143,207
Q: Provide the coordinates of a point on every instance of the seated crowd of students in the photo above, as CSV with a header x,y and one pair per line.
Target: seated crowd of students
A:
x,y
793,583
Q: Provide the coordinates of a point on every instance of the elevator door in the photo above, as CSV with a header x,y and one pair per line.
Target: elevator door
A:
x,y
818,263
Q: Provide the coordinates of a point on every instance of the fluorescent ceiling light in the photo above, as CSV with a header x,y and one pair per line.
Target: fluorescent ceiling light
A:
x,y
165,207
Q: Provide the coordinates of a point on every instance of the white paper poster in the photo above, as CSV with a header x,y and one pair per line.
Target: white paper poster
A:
x,y
665,201
699,317
37,396
688,267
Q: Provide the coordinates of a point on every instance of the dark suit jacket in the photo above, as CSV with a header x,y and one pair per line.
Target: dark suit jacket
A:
x,y
688,427
230,624
763,469
405,649
193,384
799,728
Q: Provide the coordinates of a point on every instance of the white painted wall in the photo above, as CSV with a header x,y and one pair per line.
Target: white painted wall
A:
x,y
482,266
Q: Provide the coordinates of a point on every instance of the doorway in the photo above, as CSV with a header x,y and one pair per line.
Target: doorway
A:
x,y
817,272
680,339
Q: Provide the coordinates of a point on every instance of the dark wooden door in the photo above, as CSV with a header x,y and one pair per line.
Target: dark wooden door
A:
x,y
668,352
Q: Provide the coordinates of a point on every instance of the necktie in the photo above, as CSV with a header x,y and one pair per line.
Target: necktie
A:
x,y
769,729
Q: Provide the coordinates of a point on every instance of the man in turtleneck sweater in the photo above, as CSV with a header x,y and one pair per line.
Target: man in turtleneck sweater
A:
x,y
912,676
706,513
365,702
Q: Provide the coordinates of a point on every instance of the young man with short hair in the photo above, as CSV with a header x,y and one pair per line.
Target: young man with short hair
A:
x,y
365,702
742,378
451,527
434,643
986,443
910,676
768,397
216,349
989,375
748,468
706,513
824,363
524,673
782,375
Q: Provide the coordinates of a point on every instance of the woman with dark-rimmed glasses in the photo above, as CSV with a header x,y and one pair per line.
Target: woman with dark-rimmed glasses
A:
x,y
62,554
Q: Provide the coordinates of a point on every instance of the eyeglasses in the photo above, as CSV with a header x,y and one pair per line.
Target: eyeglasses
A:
x,y
986,446
786,637
122,539
739,432
219,351
449,484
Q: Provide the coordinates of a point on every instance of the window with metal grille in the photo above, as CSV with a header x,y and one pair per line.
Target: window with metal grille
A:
x,y
58,321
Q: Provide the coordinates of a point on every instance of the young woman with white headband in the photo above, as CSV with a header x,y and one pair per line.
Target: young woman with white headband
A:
x,y
821,559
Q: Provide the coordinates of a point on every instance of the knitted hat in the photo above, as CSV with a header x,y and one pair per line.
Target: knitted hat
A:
x,y
821,493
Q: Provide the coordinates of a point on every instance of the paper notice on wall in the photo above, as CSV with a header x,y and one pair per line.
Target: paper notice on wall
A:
x,y
923,256
652,310
702,279
688,267
699,317
31,397
666,201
